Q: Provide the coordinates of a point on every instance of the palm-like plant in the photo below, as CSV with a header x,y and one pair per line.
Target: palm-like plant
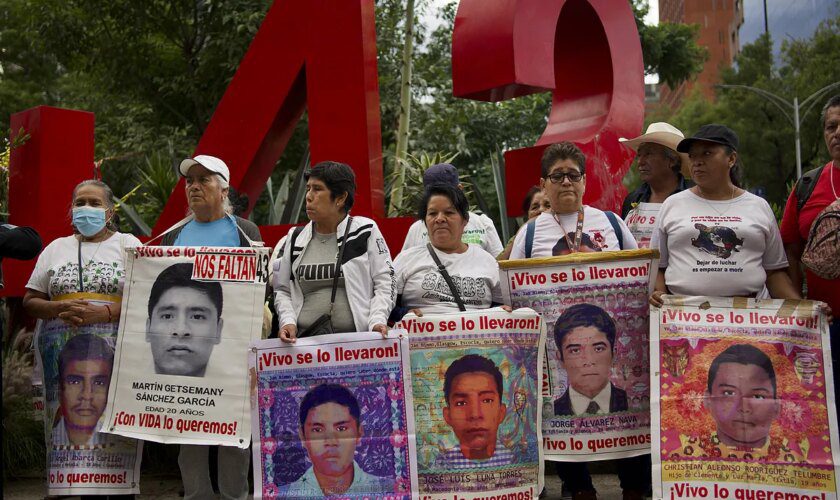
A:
x,y
413,168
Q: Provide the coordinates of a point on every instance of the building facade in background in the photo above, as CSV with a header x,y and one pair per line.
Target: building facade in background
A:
x,y
719,21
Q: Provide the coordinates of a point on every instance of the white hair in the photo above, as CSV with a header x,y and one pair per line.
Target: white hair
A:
x,y
226,205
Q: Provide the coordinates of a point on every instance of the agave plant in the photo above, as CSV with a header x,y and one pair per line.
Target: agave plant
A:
x,y
414,167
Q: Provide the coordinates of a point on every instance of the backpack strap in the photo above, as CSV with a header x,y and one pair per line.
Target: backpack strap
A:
x,y
530,228
619,234
805,187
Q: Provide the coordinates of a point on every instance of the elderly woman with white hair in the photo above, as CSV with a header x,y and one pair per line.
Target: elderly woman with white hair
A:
x,y
662,170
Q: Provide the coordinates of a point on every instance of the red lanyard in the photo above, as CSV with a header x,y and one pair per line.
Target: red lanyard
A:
x,y
574,246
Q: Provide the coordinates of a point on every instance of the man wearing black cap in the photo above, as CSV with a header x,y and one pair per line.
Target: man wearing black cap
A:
x,y
480,229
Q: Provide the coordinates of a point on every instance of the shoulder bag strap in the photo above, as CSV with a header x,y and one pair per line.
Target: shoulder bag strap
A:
x,y
442,270
338,262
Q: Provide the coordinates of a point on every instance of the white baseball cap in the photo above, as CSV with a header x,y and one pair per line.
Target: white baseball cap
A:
x,y
211,163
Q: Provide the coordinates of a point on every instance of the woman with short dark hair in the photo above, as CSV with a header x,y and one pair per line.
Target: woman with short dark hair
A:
x,y
304,276
474,273
569,226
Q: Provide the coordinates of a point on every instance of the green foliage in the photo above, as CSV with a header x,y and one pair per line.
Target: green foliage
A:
x,y
669,49
153,71
23,435
767,149
415,167
5,154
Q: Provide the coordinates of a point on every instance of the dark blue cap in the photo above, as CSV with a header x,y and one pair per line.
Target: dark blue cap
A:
x,y
442,173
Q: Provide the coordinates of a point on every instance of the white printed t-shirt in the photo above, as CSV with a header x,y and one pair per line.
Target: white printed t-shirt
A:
x,y
598,234
103,271
475,274
717,248
641,221
479,231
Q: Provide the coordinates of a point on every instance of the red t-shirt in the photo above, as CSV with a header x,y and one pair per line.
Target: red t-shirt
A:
x,y
796,226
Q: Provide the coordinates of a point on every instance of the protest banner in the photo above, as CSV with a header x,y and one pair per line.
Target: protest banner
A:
x,y
476,378
596,392
189,315
76,364
743,403
641,220
331,417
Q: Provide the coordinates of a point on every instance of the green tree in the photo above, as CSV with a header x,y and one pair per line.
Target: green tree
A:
x,y
154,70
767,148
669,49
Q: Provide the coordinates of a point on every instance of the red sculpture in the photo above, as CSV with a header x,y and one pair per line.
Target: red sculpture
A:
x,y
321,54
586,52
317,54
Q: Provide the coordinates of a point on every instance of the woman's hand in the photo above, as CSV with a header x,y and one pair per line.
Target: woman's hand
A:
x,y
656,298
382,329
416,312
288,333
79,312
506,308
825,309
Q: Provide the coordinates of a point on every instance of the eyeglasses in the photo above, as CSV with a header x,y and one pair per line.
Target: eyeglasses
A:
x,y
557,177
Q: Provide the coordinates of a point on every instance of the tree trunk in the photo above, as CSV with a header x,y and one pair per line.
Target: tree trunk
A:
x,y
405,112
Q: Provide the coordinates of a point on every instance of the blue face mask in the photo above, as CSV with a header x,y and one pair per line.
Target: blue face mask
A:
x,y
89,220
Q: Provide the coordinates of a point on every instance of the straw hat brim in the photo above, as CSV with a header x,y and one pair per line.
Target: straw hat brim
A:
x,y
666,139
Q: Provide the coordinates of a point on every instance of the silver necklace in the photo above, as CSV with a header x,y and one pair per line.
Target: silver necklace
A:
x,y
711,205
834,191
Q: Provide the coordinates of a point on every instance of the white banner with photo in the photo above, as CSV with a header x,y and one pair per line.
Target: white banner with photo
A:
x,y
596,386
180,368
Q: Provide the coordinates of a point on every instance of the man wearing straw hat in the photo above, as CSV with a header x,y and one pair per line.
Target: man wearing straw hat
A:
x,y
662,170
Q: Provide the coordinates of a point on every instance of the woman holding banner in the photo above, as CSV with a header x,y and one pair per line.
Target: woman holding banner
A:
x,y
335,273
570,226
718,239
424,273
76,288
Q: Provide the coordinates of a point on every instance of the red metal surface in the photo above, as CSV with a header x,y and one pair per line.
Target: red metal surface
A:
x,y
586,52
42,173
319,55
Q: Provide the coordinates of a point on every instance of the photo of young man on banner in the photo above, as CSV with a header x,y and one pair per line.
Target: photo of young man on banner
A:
x,y
78,364
744,403
330,417
180,373
596,394
476,383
